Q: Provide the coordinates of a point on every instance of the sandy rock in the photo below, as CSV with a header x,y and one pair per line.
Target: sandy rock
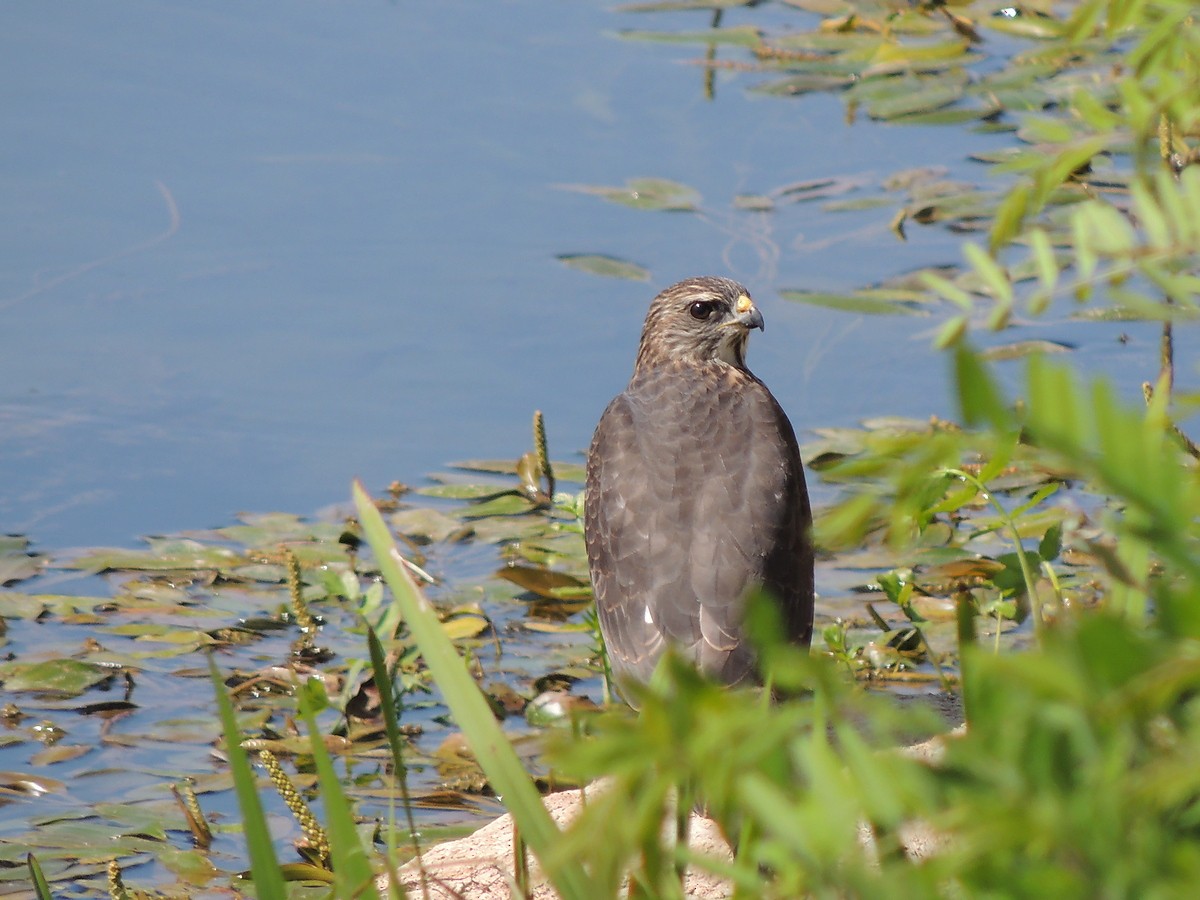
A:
x,y
479,866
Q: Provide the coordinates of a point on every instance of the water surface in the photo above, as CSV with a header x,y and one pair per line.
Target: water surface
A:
x,y
248,253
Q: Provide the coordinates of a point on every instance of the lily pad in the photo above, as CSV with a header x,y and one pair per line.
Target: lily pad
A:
x,y
162,557
65,677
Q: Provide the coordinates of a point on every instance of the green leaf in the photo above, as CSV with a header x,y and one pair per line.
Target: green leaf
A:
x,y
948,290
1051,543
994,278
979,398
1010,216
40,886
1043,257
353,875
264,865
950,333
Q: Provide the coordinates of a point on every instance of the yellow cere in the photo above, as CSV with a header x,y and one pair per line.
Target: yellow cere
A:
x,y
744,304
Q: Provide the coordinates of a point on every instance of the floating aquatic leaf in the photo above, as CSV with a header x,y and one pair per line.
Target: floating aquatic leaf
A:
x,y
17,566
907,97
193,867
556,627
804,84
739,35
423,525
30,783
542,582
68,677
563,471
645,193
857,203
556,707
461,625
164,556
956,115
819,188
932,56
753,202
858,302
570,472
497,466
1024,348
457,491
506,505
606,266
13,543
1149,312
1030,25
24,606
677,5
271,529
498,529
60,753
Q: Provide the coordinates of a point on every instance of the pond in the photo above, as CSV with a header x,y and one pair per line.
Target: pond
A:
x,y
251,253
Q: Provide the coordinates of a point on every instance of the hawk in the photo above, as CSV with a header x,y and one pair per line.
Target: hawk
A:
x,y
695,494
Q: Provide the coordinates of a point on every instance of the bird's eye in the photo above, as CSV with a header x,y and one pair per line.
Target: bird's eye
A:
x,y
702,309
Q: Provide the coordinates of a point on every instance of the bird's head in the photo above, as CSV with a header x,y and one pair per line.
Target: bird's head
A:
x,y
700,320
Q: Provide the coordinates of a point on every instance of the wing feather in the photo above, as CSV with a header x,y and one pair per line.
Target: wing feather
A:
x,y
695,495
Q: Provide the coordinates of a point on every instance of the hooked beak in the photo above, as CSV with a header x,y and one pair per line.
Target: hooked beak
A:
x,y
746,314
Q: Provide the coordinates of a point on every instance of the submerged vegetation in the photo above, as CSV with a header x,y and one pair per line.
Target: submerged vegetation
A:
x,y
1038,558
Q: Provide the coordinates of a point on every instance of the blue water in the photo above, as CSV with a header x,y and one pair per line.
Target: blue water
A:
x,y
251,251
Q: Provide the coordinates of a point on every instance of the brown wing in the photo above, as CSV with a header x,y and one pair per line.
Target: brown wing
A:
x,y
695,494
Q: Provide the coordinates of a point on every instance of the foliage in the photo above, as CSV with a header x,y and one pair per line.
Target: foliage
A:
x,y
1056,523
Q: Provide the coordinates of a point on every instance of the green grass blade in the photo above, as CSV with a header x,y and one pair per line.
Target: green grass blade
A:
x,y
353,875
391,723
264,866
472,713
40,886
